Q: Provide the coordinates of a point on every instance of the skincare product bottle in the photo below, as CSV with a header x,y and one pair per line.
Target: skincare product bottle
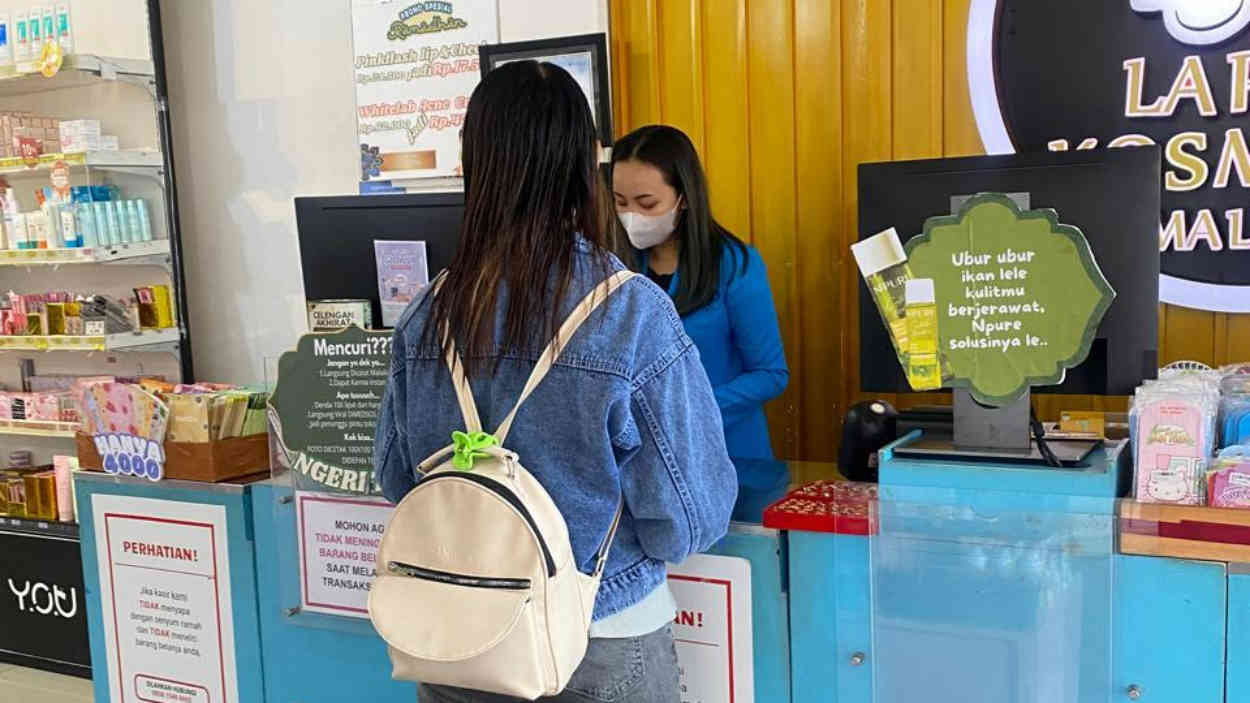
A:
x,y
37,224
21,38
52,215
17,231
883,264
134,232
103,232
70,229
63,34
923,370
34,25
6,41
49,24
116,234
87,225
145,221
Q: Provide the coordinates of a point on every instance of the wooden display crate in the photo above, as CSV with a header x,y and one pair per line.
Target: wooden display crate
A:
x,y
210,462
1184,531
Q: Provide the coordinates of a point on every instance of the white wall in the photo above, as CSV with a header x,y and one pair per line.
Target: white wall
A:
x,y
262,103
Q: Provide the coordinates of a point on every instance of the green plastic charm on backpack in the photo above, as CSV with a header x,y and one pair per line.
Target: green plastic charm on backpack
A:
x,y
469,446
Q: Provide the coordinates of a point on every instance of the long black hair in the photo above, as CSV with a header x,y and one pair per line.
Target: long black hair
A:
x,y
703,239
531,185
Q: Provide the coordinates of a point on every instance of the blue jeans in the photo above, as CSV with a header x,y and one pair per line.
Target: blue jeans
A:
x,y
627,670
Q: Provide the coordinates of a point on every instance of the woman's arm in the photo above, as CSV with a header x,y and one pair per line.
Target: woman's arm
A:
x,y
676,476
393,468
755,332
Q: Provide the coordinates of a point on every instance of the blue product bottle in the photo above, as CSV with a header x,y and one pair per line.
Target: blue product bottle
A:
x,y
103,232
87,225
145,222
134,232
116,234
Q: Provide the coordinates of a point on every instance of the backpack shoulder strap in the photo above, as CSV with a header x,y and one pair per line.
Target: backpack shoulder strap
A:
x,y
460,382
575,319
464,394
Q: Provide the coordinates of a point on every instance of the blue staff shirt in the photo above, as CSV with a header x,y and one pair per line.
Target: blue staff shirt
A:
x,y
739,341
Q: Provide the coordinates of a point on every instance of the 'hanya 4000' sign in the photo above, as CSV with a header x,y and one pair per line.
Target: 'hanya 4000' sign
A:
x,y
1084,74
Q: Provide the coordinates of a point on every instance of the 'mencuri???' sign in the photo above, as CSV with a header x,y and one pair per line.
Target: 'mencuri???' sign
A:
x,y
1082,74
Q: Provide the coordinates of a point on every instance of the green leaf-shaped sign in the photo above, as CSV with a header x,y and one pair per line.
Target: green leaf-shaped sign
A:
x,y
325,408
1019,295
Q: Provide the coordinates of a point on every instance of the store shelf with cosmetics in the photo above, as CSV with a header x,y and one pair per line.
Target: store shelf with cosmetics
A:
x,y
91,283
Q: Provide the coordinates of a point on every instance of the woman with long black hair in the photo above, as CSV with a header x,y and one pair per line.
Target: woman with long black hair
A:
x,y
717,282
626,412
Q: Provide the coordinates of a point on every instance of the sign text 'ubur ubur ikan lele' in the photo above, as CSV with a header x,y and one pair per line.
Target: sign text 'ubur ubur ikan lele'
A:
x,y
992,299
324,410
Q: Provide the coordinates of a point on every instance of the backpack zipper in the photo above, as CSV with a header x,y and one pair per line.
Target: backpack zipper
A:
x,y
498,489
410,570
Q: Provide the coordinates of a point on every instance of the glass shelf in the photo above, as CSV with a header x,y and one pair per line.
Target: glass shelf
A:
x,y
78,70
38,428
133,341
84,255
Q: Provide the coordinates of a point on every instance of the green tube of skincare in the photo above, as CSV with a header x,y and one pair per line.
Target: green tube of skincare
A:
x,y
883,264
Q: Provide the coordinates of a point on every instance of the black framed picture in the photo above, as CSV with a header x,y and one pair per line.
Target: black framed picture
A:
x,y
584,56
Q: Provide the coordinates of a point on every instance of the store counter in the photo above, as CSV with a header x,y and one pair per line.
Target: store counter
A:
x,y
197,592
313,657
1001,583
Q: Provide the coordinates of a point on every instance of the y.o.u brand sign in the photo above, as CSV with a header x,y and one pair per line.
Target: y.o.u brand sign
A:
x,y
1083,74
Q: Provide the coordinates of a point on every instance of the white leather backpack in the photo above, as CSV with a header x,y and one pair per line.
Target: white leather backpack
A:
x,y
477,586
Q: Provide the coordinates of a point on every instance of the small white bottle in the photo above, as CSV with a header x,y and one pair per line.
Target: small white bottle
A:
x,y
21,38
49,24
63,33
34,26
6,41
71,233
18,236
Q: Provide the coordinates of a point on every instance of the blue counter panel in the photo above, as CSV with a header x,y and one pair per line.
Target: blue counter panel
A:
x,y
1169,630
237,503
830,618
770,607
311,658
1238,679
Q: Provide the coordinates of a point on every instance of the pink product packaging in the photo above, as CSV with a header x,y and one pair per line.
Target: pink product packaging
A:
x,y
45,407
62,467
6,406
1171,461
1230,487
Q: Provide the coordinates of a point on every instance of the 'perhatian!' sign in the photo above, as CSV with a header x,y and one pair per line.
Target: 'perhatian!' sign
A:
x,y
1017,304
325,408
1076,74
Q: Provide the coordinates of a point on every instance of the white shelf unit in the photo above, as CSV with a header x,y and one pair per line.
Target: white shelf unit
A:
x,y
113,90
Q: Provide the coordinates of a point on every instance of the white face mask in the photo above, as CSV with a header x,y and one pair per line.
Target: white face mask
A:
x,y
646,231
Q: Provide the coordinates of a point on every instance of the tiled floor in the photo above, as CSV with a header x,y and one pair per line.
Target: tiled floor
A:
x,y
18,685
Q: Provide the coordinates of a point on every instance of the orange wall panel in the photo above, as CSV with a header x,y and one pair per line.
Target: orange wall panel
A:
x,y
784,99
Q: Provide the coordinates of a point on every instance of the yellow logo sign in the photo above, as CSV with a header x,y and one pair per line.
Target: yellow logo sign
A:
x,y
424,18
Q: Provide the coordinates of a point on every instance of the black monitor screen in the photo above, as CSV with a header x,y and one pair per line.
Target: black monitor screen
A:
x,y
1112,195
336,236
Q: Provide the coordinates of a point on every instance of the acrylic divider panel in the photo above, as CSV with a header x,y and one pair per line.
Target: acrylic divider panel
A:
x,y
165,593
991,597
327,516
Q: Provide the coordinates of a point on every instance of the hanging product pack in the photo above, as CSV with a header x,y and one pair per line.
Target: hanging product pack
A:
x,y
477,586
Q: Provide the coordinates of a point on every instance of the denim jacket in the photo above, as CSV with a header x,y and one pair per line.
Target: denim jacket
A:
x,y
627,410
